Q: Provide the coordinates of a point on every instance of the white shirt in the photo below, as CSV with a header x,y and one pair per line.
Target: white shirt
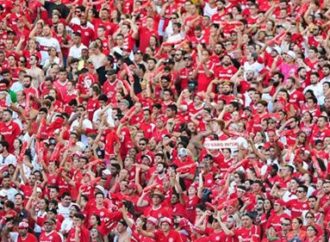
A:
x,y
17,86
317,90
256,67
208,11
45,44
175,38
96,117
9,159
64,211
76,20
75,51
87,124
66,225
11,192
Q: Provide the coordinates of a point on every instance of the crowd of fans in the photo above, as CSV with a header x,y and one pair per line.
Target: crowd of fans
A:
x,y
170,120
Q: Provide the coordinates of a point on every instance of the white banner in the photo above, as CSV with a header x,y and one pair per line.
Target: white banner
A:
x,y
220,144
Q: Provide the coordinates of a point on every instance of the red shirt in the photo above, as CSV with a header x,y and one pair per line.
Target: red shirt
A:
x,y
109,89
225,73
145,35
297,207
111,139
83,235
297,98
92,105
109,27
87,33
173,235
184,76
29,238
249,235
203,80
85,81
10,131
275,221
53,236
61,88
162,211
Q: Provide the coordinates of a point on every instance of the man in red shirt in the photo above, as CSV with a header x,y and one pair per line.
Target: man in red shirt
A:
x,y
299,205
78,231
61,83
9,129
157,208
23,233
226,70
204,69
277,215
110,85
49,234
323,202
248,232
145,33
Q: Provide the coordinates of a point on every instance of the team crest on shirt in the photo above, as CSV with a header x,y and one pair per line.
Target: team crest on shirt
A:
x,y
170,240
51,237
87,82
230,71
304,205
101,213
217,238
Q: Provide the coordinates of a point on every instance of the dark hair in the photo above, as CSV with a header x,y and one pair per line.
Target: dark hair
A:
x,y
98,219
54,187
103,97
173,107
20,194
8,111
99,193
305,188
65,194
4,144
79,216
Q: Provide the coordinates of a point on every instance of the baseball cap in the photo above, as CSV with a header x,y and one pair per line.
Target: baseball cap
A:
x,y
152,220
291,54
23,225
166,220
3,193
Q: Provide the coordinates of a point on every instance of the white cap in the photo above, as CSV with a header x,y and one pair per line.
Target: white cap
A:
x,y
99,187
106,172
291,54
166,220
152,220
3,193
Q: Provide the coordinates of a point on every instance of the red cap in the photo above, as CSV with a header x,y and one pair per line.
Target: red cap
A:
x,y
280,202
